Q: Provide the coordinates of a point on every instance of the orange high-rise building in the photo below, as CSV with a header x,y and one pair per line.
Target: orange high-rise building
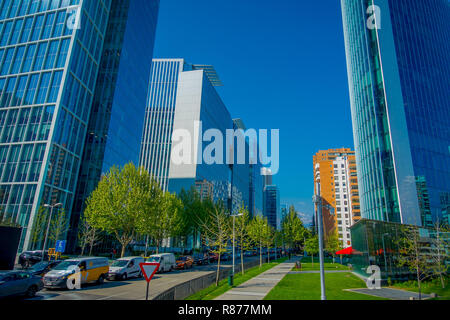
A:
x,y
336,171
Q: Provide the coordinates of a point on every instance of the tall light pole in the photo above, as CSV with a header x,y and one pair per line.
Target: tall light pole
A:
x,y
48,225
318,202
234,239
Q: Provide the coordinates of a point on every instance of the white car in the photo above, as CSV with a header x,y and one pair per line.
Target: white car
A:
x,y
166,261
124,268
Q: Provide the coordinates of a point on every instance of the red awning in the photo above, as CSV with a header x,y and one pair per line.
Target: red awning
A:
x,y
348,250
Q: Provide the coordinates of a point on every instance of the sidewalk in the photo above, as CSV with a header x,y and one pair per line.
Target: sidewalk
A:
x,y
257,288
390,293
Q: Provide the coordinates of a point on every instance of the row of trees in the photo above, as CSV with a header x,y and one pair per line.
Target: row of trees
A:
x,y
129,203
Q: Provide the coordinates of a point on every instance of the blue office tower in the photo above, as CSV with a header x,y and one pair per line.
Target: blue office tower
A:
x,y
116,121
53,63
398,55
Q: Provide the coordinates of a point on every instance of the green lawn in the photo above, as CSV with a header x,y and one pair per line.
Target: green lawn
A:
x,y
308,266
213,292
427,287
306,286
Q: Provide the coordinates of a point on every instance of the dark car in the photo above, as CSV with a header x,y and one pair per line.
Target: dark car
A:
x,y
200,259
30,258
225,256
19,283
41,268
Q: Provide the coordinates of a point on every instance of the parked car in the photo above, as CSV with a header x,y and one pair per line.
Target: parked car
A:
x,y
91,269
200,259
19,283
166,261
213,257
184,262
124,268
41,268
225,256
30,258
248,254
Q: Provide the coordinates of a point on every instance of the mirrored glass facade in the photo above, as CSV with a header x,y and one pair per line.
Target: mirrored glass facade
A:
x,y
183,97
115,124
49,65
399,75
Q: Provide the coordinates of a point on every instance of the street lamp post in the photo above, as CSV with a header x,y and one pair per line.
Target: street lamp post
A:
x,y
48,225
318,201
234,239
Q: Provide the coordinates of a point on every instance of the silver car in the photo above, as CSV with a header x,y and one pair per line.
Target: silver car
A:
x,y
19,283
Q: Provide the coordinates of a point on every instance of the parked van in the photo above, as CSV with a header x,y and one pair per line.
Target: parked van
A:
x,y
124,268
167,261
91,269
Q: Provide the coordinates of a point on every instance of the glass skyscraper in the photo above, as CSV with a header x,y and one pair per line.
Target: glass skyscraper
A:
x,y
398,56
48,80
183,97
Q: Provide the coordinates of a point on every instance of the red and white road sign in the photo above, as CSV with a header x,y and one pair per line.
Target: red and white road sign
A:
x,y
149,270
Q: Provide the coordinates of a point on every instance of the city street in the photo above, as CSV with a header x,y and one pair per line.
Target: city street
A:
x,y
131,289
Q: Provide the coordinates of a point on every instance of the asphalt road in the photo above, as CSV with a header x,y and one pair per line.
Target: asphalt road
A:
x,y
132,289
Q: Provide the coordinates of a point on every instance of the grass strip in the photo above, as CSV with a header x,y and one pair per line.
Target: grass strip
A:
x,y
306,286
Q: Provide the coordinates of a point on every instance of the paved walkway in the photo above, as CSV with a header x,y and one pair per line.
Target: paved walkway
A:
x,y
258,287
389,293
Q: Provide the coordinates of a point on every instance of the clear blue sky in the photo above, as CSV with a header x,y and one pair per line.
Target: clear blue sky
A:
x,y
283,66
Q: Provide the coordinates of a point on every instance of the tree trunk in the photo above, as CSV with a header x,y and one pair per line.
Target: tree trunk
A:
x,y
242,261
82,249
312,260
90,249
260,256
268,255
146,246
124,247
218,271
418,284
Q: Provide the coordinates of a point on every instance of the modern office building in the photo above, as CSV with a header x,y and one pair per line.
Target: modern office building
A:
x,y
49,61
120,98
336,169
271,200
398,56
183,100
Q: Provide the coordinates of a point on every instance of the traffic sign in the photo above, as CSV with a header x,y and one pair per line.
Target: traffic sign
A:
x,y
148,270
60,246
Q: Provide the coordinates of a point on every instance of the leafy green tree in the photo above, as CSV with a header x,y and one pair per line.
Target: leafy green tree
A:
x,y
292,228
58,226
312,246
216,230
439,253
413,256
269,239
154,208
39,227
257,231
241,232
168,221
333,244
87,235
194,209
119,202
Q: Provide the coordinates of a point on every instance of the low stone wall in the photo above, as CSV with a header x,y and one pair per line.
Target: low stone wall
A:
x,y
188,288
